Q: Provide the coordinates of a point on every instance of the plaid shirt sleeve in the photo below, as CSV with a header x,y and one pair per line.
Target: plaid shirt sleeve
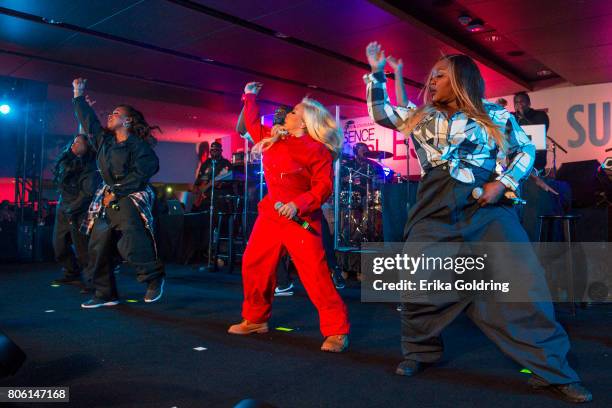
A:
x,y
520,153
379,106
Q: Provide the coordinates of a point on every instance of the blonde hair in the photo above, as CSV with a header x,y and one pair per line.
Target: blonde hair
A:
x,y
468,86
320,125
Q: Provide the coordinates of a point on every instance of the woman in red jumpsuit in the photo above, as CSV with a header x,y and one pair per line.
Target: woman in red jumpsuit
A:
x,y
297,161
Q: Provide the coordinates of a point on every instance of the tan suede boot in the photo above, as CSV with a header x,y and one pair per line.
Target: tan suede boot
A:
x,y
335,344
246,327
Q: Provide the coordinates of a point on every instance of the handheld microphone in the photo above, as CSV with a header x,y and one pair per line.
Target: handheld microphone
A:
x,y
508,198
295,218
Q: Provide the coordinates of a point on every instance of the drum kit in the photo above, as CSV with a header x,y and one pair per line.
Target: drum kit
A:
x,y
360,197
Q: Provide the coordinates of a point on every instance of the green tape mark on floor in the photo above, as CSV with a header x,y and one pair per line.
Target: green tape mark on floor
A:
x,y
284,329
132,301
526,371
55,286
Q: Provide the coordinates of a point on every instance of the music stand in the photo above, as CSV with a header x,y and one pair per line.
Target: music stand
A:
x,y
537,134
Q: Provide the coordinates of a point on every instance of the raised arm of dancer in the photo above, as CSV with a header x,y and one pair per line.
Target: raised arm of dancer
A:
x,y
252,119
400,90
85,114
380,108
241,127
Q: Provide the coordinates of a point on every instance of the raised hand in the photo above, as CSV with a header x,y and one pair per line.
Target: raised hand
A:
x,y
253,88
78,86
376,56
396,64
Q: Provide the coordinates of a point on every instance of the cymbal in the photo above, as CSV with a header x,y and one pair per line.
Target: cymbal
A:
x,y
378,154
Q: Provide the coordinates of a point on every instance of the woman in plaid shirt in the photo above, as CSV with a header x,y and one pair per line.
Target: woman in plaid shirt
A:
x,y
459,138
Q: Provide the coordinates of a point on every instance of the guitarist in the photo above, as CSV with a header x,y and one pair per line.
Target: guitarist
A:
x,y
203,183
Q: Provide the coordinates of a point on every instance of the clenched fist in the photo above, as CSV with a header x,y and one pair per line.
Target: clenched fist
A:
x,y
253,88
78,86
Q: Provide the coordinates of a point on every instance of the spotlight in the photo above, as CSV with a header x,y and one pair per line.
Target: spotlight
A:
x,y
5,109
168,189
544,72
464,19
476,25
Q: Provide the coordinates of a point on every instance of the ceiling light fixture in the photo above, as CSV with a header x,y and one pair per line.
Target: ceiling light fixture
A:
x,y
476,25
544,72
464,19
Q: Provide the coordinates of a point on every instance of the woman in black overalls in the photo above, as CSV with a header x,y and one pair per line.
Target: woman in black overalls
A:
x,y
459,139
77,178
122,207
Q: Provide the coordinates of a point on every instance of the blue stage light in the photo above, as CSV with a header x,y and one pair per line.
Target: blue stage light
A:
x,y
5,109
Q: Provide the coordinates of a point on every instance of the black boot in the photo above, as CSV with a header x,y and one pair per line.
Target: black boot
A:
x,y
573,392
155,290
339,281
408,368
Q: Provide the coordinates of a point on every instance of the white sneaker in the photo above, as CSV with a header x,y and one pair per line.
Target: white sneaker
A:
x,y
288,291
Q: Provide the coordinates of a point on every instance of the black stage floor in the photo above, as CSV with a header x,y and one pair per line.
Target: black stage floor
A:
x,y
138,355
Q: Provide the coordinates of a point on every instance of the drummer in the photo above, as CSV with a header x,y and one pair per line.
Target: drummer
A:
x,y
366,166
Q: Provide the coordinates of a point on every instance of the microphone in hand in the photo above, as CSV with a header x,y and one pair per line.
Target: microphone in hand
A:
x,y
509,197
304,224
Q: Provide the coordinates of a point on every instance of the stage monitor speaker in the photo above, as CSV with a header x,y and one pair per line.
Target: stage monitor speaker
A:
x,y
586,180
11,356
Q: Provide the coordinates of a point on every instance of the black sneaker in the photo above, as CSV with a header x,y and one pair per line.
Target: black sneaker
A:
x,y
67,281
573,392
339,281
95,302
286,291
408,368
155,290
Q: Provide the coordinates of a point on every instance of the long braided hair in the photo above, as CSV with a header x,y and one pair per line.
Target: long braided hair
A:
x,y
139,125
